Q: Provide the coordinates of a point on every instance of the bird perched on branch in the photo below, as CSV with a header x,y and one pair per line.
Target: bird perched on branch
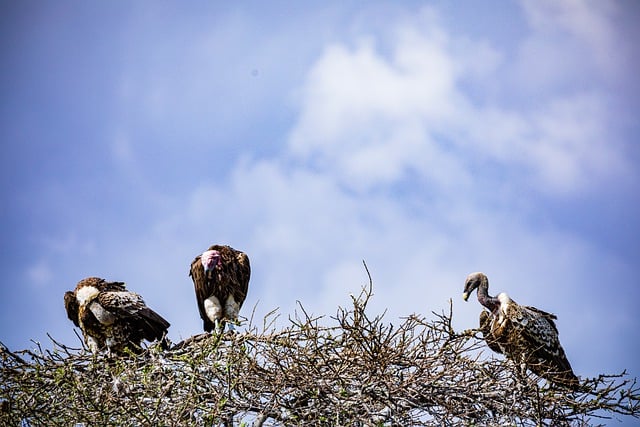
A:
x,y
221,280
112,317
524,334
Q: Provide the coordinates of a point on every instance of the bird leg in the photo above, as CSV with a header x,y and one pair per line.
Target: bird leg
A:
x,y
219,326
231,310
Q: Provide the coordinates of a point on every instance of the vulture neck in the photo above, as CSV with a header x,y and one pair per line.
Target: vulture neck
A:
x,y
492,303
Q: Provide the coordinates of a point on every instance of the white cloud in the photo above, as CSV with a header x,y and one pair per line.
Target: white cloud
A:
x,y
572,146
363,116
371,119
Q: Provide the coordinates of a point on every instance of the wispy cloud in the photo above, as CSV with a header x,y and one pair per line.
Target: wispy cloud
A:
x,y
584,26
371,118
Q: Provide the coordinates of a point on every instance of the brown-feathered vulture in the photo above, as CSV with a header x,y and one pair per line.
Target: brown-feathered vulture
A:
x,y
111,317
524,334
221,279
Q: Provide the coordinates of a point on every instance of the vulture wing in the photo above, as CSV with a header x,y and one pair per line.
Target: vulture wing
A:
x,y
540,332
72,307
129,307
242,274
539,335
203,290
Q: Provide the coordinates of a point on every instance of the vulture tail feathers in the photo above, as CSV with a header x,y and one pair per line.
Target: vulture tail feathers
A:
x,y
153,326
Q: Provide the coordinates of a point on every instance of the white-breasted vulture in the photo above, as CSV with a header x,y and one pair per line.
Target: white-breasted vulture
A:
x,y
526,335
221,280
113,318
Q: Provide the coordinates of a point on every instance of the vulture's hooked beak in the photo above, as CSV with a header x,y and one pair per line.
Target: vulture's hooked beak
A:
x,y
465,296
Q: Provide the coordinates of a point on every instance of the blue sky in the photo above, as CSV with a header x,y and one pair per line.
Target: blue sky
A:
x,y
431,139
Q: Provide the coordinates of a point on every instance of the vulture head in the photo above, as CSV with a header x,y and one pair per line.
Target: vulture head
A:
x,y
474,281
210,260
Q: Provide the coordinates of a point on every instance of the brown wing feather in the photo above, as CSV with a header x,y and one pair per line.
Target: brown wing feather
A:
x,y
151,324
542,337
533,338
71,306
242,277
235,273
129,309
203,290
550,317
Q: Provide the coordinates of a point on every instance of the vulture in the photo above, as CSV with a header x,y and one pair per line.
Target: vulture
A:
x,y
113,318
524,334
221,279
